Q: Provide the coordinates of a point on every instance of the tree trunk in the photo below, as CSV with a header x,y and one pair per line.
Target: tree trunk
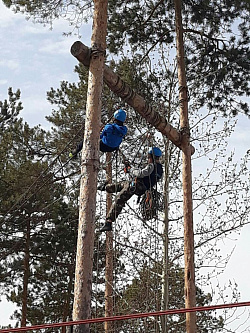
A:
x,y
89,170
26,274
165,267
121,89
186,176
108,325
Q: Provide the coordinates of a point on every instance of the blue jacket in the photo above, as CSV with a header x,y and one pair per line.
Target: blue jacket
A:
x,y
113,134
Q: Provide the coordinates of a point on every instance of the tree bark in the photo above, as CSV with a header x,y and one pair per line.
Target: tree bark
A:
x,y
186,176
89,170
121,89
165,264
108,325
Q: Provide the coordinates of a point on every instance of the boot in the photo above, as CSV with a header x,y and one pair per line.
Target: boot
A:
x,y
107,226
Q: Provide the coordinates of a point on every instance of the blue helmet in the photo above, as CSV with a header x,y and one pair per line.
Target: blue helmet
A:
x,y
155,151
120,115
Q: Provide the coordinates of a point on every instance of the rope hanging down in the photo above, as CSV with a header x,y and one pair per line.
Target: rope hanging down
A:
x,y
151,202
126,317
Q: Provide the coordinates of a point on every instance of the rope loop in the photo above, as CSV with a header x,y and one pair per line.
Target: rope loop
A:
x,y
151,202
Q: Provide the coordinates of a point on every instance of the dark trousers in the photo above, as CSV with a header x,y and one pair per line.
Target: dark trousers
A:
x,y
103,148
126,190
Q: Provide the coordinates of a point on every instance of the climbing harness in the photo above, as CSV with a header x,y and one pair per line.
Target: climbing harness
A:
x,y
150,203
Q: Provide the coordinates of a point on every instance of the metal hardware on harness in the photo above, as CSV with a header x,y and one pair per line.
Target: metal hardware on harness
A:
x,y
132,186
151,202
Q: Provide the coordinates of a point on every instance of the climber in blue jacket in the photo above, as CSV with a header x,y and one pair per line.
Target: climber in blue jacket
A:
x,y
111,136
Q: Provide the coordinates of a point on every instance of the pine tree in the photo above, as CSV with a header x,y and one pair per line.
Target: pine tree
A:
x,y
144,293
32,208
216,41
10,109
217,61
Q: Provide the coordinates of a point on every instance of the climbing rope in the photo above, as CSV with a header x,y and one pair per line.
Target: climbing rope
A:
x,y
151,202
128,316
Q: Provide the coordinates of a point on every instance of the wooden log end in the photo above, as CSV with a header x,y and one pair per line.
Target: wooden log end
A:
x,y
192,149
76,48
81,52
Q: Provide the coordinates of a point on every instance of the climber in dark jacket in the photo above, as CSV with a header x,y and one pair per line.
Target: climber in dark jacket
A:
x,y
111,136
144,179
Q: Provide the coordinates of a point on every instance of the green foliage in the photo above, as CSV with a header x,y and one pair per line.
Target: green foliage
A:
x,y
216,44
38,228
145,293
9,110
140,31
46,12
68,117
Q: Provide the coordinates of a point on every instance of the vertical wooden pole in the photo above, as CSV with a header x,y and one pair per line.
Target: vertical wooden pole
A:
x,y
165,264
89,170
108,325
186,176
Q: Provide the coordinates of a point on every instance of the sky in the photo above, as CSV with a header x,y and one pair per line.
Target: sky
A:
x,y
33,58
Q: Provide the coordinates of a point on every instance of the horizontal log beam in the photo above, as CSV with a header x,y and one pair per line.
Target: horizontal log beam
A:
x,y
83,53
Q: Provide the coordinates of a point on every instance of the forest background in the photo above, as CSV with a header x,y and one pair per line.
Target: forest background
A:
x,y
35,59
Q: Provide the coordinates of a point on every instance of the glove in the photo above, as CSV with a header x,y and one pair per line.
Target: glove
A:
x,y
127,168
